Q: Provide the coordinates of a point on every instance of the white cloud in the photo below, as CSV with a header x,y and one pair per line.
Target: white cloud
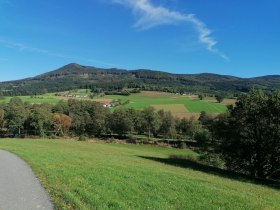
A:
x,y
151,16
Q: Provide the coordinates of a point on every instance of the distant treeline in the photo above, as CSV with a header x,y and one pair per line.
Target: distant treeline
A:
x,y
110,89
74,76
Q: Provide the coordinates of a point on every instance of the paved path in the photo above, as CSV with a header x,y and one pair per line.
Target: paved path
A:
x,y
19,188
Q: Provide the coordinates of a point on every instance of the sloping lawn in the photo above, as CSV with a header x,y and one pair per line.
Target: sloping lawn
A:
x,y
82,175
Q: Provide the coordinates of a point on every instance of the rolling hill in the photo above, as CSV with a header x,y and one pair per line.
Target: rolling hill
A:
x,y
74,76
83,175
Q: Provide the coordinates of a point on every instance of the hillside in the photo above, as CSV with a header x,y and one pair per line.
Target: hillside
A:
x,y
74,76
82,175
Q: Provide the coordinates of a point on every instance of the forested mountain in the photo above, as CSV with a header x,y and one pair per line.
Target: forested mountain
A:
x,y
74,76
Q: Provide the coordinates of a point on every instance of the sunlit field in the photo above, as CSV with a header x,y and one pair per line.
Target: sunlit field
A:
x,y
81,175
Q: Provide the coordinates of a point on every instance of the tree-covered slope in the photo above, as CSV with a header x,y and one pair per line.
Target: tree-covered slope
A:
x,y
74,76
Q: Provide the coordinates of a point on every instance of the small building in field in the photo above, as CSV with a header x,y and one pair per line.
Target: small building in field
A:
x,y
106,104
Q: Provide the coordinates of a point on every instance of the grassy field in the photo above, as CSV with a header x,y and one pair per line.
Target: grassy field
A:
x,y
48,98
81,175
179,105
171,102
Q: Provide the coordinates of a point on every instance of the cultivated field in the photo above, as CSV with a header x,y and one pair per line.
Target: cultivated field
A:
x,y
81,175
179,105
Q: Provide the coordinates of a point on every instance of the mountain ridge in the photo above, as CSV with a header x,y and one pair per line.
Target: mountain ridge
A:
x,y
73,75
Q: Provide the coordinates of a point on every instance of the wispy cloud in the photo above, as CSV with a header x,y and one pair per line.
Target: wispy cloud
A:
x,y
23,47
26,48
151,16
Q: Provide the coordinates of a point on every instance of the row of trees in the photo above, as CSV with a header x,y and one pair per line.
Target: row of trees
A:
x,y
87,118
219,97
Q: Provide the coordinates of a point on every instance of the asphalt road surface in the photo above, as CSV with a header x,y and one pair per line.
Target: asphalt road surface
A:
x,y
19,188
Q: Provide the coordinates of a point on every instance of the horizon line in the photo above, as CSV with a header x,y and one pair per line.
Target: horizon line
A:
x,y
139,69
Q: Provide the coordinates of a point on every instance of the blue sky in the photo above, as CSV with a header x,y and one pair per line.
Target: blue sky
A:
x,y
181,36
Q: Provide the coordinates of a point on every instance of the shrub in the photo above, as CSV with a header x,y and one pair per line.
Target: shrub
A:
x,y
202,138
111,140
182,145
184,157
131,139
82,138
211,159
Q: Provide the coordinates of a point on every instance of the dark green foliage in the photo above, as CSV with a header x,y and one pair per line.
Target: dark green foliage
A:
x,y
74,76
182,145
138,121
211,159
150,120
15,116
120,121
39,120
135,91
187,127
203,138
2,118
219,98
61,107
82,138
201,96
88,118
121,93
205,119
167,124
250,135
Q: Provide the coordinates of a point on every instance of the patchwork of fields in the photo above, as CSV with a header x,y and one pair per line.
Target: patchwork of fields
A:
x,y
179,105
81,175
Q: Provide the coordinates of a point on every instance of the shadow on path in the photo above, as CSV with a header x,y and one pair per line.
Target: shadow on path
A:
x,y
184,163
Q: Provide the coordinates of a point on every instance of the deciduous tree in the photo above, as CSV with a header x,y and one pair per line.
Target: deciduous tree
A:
x,y
61,123
250,135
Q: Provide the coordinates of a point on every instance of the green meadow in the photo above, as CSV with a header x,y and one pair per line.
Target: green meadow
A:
x,y
170,102
82,175
179,105
48,98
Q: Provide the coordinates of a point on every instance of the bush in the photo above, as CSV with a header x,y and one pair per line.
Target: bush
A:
x,y
82,138
182,145
183,157
131,139
111,140
219,98
202,138
211,159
